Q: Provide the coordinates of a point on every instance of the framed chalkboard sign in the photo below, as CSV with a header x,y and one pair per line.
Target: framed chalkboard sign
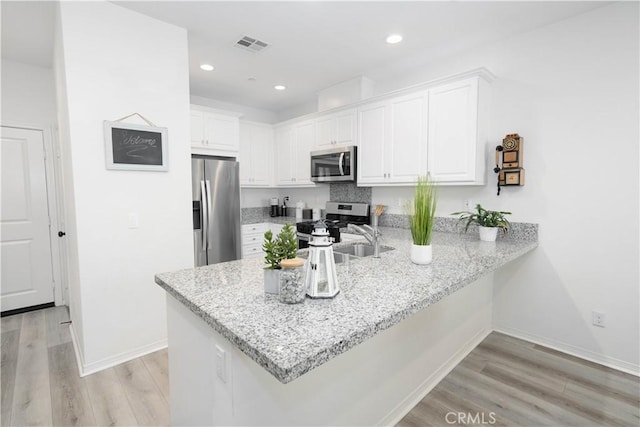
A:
x,y
135,147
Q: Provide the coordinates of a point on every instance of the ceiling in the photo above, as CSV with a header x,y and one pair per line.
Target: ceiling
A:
x,y
312,44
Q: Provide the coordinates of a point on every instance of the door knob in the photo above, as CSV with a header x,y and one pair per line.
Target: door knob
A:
x,y
61,233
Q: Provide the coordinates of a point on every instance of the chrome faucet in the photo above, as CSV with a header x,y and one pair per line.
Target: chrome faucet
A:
x,y
369,233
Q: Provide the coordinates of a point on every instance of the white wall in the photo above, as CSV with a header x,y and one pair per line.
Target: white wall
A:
x,y
248,113
571,89
298,110
28,95
110,69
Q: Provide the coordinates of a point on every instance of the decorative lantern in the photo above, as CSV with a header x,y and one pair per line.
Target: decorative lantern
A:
x,y
320,278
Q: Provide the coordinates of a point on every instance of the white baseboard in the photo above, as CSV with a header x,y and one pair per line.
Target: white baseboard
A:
x,y
76,348
582,353
404,407
87,369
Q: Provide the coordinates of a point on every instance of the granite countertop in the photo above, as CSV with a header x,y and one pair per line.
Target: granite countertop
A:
x,y
290,340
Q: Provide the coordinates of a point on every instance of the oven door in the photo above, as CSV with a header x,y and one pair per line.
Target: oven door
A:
x,y
334,165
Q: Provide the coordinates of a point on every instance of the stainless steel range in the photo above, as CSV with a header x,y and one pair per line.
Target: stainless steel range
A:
x,y
337,215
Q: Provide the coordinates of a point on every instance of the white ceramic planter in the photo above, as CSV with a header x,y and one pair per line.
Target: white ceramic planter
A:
x,y
488,234
421,254
271,281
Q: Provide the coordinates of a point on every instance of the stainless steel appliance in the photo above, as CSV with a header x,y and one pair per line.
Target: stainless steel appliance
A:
x,y
275,207
338,215
334,165
216,209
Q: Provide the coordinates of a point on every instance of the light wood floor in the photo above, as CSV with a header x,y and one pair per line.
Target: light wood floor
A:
x,y
41,385
518,383
502,382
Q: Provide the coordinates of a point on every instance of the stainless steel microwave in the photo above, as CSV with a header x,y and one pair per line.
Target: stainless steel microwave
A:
x,y
334,165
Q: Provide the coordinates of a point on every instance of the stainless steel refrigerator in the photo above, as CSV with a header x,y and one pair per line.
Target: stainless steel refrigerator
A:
x,y
216,209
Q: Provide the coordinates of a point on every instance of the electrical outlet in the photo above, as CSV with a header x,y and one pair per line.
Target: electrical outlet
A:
x,y
133,220
597,318
221,364
468,205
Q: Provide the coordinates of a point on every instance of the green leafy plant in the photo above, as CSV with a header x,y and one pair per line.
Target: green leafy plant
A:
x,y
423,210
485,218
283,246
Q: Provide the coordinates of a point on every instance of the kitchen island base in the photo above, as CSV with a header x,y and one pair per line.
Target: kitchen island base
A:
x,y
374,383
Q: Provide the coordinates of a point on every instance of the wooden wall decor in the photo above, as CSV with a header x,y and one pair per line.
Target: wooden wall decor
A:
x,y
510,155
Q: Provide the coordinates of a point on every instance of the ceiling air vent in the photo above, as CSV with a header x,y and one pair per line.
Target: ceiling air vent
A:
x,y
251,44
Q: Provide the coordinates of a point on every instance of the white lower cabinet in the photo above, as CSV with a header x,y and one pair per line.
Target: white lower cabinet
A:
x,y
253,238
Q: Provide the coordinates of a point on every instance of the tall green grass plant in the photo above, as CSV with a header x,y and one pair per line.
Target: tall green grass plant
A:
x,y
423,210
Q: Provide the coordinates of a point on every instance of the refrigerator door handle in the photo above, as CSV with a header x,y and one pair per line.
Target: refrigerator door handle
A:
x,y
204,200
207,185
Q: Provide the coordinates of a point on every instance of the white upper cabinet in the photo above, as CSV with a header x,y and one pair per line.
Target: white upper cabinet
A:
x,y
407,138
456,142
293,163
215,132
392,147
256,154
336,129
440,130
372,150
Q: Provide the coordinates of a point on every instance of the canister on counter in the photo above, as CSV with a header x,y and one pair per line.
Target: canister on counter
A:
x,y
299,208
292,285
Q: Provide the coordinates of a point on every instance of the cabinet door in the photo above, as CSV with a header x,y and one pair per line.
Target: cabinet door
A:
x,y
246,154
324,132
284,159
197,129
453,115
345,127
222,132
304,139
261,155
372,131
256,155
407,145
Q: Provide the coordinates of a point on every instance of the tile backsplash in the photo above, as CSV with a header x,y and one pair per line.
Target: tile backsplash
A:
x,y
349,192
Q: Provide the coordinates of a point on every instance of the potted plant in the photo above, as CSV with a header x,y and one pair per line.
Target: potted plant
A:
x,y
421,217
488,222
283,246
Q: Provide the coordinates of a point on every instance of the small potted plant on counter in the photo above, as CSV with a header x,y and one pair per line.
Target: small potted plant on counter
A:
x,y
421,217
283,246
488,222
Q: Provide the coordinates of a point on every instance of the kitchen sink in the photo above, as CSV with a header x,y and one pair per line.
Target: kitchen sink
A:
x,y
338,257
360,250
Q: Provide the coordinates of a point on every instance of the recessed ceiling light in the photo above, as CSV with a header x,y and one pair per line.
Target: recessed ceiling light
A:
x,y
394,38
279,87
207,67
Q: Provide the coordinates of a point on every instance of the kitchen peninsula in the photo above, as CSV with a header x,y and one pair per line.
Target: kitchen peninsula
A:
x,y
238,357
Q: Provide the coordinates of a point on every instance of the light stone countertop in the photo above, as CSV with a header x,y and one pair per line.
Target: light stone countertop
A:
x,y
290,340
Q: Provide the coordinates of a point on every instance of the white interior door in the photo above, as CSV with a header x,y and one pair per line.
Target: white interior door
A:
x,y
27,276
